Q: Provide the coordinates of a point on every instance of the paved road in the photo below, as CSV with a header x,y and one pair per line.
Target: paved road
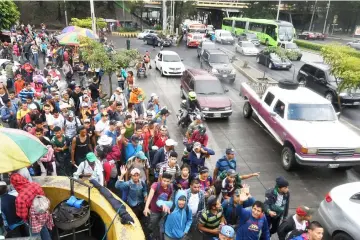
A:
x,y
256,151
350,114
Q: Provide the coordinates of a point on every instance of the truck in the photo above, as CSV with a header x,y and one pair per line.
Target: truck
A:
x,y
304,123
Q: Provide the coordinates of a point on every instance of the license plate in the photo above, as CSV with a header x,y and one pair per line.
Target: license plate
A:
x,y
217,114
334,165
284,66
224,75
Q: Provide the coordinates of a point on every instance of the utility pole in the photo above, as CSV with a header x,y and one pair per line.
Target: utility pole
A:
x,y
327,13
173,17
66,19
93,19
164,15
312,17
278,11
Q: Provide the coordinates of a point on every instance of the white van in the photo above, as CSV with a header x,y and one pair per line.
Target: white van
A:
x,y
224,37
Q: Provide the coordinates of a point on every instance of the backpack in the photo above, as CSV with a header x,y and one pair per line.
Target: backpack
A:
x,y
40,204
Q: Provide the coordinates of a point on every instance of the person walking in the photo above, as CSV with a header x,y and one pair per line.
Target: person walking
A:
x,y
315,232
277,203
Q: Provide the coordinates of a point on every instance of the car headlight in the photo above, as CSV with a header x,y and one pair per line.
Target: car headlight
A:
x,y
214,70
205,109
228,108
305,150
357,150
343,94
233,71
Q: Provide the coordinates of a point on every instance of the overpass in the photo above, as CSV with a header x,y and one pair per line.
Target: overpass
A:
x,y
206,4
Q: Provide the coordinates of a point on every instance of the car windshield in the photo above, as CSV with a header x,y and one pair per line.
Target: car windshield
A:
x,y
291,46
209,46
286,33
248,45
311,112
219,58
251,36
198,30
171,58
226,34
208,87
274,56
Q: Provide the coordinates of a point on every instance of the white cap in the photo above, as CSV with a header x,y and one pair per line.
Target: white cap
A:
x,y
170,142
32,107
2,183
134,171
104,140
153,95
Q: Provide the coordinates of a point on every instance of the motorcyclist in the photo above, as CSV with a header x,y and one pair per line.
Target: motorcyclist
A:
x,y
191,105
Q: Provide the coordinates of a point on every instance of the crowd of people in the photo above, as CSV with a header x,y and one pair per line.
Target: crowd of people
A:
x,y
125,145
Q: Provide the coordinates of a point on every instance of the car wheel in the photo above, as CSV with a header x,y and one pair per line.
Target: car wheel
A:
x,y
247,110
270,65
182,94
288,158
329,96
342,236
302,80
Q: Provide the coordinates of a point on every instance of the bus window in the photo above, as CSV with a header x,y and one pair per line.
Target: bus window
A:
x,y
227,22
256,27
240,24
270,30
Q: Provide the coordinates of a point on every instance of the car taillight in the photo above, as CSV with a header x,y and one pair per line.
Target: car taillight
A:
x,y
328,197
189,35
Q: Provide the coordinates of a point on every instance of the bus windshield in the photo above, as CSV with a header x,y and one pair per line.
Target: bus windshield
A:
x,y
198,30
286,33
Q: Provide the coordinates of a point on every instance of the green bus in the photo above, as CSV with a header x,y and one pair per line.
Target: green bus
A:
x,y
269,32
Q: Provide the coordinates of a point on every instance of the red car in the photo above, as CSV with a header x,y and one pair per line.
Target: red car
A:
x,y
209,91
311,36
194,39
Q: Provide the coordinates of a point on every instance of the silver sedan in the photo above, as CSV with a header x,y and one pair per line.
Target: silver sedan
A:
x,y
339,212
354,44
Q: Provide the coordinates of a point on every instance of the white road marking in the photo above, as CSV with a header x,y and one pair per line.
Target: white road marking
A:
x,y
346,122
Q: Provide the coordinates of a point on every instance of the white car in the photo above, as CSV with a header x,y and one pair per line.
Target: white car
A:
x,y
224,37
339,210
246,48
169,63
144,33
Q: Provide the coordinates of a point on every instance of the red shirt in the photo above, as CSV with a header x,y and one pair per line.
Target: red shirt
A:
x,y
166,193
146,137
66,56
197,137
159,140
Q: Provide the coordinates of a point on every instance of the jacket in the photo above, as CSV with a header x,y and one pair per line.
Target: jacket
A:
x,y
270,200
136,191
5,112
286,226
178,222
250,228
223,164
229,209
137,96
201,205
195,162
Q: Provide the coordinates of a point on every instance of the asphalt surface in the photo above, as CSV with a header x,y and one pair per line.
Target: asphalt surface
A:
x,y
256,150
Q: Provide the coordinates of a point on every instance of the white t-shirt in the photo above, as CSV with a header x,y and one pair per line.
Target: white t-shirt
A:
x,y
299,226
50,119
193,203
101,126
57,122
279,200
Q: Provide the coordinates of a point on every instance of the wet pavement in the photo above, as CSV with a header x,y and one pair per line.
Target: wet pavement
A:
x,y
256,150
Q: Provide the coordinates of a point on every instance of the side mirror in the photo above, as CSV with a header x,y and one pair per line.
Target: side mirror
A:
x,y
273,114
226,90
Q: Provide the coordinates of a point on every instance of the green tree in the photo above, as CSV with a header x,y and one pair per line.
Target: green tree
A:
x,y
97,56
86,23
261,9
9,14
343,66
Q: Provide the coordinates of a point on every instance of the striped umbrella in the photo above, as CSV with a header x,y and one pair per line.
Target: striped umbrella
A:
x,y
87,33
71,38
18,149
70,29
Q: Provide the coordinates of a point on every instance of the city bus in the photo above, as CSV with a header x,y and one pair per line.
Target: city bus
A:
x,y
269,32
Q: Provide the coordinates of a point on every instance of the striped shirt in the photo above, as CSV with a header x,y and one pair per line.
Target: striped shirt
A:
x,y
209,220
173,171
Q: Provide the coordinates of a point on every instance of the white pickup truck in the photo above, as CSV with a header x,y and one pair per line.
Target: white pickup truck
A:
x,y
304,123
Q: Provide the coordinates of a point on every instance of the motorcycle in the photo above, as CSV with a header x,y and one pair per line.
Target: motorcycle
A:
x,y
191,115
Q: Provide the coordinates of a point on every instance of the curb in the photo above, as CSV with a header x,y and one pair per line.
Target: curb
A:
x,y
126,34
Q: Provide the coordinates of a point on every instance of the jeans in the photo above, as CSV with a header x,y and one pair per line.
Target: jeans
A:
x,y
36,59
139,108
44,233
273,223
154,223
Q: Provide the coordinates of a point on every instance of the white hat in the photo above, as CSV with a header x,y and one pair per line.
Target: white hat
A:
x,y
170,142
2,183
119,89
153,95
104,140
32,107
135,171
196,145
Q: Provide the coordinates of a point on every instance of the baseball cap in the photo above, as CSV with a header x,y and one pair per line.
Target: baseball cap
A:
x,y
91,157
140,155
153,95
2,183
135,171
229,151
87,120
104,140
304,211
231,172
198,117
170,142
32,107
119,89
197,145
227,231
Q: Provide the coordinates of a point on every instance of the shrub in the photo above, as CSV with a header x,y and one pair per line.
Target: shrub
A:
x,y
127,29
158,27
309,45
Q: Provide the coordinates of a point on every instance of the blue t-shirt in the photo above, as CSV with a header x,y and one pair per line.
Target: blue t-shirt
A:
x,y
111,134
131,150
223,164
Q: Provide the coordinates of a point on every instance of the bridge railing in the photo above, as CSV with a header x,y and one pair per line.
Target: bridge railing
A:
x,y
222,4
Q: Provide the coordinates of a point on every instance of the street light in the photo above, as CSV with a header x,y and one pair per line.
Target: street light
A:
x,y
278,11
312,17
327,13
93,20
